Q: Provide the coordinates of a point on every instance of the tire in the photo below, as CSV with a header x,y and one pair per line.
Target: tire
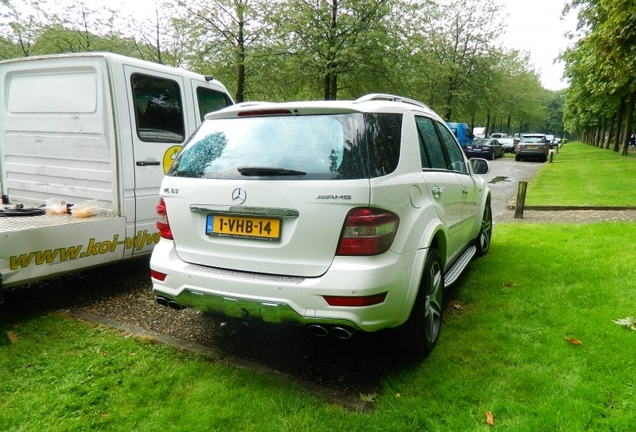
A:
x,y
482,242
419,334
493,156
517,158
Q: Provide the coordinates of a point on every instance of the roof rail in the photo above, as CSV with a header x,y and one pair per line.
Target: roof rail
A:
x,y
391,98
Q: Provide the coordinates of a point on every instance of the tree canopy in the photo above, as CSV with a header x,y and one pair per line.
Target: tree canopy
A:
x,y
446,53
600,67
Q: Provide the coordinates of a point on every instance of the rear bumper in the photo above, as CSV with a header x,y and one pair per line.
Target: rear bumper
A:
x,y
288,299
478,154
528,154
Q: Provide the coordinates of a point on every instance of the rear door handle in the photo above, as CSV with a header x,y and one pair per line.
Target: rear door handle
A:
x,y
145,163
437,191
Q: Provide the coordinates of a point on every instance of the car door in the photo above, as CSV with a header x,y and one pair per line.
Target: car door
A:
x,y
157,101
444,187
470,191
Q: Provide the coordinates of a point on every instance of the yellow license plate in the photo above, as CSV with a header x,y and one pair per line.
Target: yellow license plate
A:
x,y
245,227
533,147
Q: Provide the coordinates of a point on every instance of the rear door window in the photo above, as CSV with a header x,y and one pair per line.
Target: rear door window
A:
x,y
210,100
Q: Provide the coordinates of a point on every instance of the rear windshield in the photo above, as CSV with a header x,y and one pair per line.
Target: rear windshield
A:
x,y
533,138
335,146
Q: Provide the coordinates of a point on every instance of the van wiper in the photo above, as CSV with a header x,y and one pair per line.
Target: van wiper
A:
x,y
267,171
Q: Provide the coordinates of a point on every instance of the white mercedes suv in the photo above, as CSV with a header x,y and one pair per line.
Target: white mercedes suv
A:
x,y
336,215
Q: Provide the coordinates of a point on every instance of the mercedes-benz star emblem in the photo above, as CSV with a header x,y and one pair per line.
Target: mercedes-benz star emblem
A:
x,y
239,196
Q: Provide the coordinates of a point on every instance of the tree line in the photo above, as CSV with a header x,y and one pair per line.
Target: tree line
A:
x,y
446,53
601,67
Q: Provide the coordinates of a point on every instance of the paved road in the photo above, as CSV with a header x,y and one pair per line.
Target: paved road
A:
x,y
503,180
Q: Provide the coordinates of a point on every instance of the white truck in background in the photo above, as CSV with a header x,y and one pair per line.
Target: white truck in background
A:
x,y
90,127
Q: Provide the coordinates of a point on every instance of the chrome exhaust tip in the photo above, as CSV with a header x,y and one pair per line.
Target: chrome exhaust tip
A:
x,y
162,301
174,305
341,332
318,330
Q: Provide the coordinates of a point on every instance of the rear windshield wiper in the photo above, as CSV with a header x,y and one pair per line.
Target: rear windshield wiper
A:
x,y
267,171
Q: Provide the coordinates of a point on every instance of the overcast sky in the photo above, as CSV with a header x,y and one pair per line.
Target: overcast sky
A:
x,y
535,26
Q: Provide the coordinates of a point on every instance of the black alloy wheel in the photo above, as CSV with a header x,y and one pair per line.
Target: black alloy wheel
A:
x,y
485,233
420,332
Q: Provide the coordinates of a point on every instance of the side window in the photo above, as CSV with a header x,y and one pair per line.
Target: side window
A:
x,y
210,100
431,151
158,109
455,153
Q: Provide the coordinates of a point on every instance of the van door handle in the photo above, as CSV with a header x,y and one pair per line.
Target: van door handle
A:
x,y
144,163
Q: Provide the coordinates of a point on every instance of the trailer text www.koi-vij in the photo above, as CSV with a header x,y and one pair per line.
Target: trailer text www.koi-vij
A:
x,y
142,239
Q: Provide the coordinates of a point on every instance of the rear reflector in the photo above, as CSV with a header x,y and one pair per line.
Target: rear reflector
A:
x,y
367,231
355,301
156,275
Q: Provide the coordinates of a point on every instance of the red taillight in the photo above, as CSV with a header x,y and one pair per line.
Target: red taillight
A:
x,y
156,275
162,223
355,301
368,231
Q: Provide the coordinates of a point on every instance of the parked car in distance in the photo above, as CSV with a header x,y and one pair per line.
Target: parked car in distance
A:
x,y
498,135
340,216
532,146
508,144
486,148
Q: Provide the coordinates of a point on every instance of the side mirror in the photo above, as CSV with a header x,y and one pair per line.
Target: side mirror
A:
x,y
479,166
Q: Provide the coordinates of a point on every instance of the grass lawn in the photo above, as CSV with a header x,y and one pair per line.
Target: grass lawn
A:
x,y
582,175
528,335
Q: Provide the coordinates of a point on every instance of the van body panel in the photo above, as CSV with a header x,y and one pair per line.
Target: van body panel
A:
x,y
71,130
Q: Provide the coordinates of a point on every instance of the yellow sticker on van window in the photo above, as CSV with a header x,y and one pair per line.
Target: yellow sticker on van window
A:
x,y
169,156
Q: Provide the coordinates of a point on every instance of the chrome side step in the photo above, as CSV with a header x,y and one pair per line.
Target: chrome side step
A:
x,y
456,270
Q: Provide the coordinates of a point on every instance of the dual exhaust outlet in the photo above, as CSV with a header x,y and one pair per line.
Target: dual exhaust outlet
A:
x,y
338,331
341,332
170,303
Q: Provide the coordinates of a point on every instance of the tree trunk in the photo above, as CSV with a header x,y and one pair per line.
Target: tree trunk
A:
x,y
628,123
611,132
619,125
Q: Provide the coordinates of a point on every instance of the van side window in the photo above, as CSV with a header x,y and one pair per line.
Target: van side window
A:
x,y
158,109
431,151
210,100
455,153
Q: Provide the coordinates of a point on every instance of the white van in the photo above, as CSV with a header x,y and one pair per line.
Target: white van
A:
x,y
97,129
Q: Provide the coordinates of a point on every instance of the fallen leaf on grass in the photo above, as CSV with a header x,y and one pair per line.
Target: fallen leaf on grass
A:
x,y
16,326
458,307
628,322
368,397
573,341
397,395
511,284
13,337
490,420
